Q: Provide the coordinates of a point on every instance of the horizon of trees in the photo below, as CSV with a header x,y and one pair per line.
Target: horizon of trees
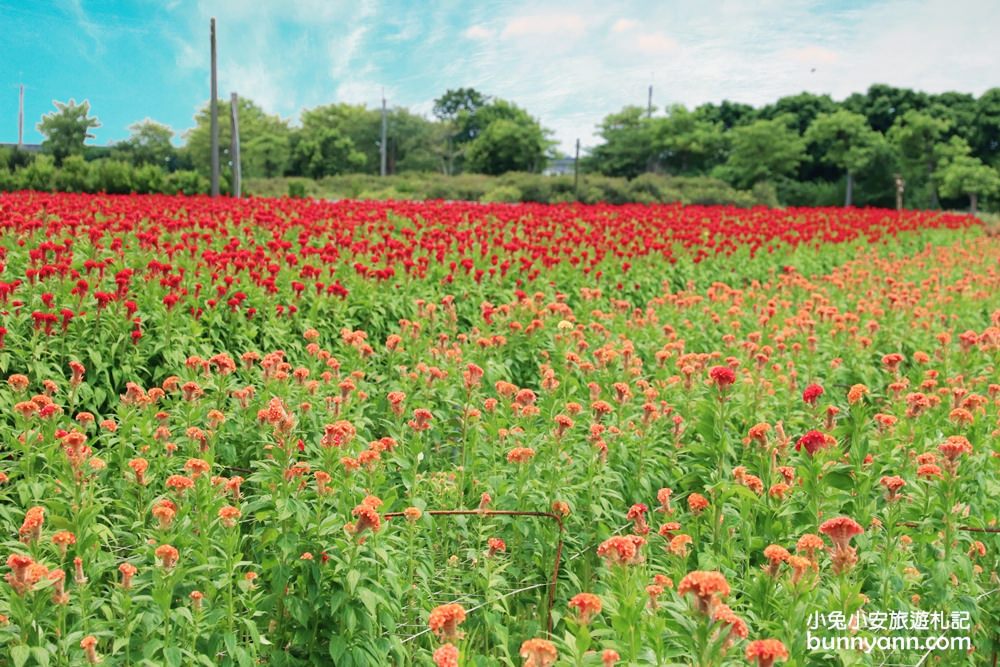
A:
x,y
812,149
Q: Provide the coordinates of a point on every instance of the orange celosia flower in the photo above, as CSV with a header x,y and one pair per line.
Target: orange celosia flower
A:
x,y
697,503
229,515
89,646
538,653
766,651
586,606
520,455
127,571
775,555
679,544
64,539
446,656
609,657
168,556
621,550
444,621
708,587
31,528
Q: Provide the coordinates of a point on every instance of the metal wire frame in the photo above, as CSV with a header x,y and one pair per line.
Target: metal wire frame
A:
x,y
559,546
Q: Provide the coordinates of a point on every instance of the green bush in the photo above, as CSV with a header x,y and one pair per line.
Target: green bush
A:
x,y
73,175
40,174
187,183
296,189
110,176
503,194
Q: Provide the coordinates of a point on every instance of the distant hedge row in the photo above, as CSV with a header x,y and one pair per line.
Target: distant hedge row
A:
x,y
103,175
118,177
519,187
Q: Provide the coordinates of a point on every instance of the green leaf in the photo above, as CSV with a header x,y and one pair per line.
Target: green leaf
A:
x,y
173,656
19,655
41,656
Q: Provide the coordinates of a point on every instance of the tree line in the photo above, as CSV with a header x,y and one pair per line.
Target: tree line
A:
x,y
942,150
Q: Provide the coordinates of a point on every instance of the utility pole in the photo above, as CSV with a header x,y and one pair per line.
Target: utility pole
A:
x,y
215,120
20,118
234,146
382,147
649,103
576,171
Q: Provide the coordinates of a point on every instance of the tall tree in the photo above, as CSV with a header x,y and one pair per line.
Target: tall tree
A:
x,y
149,143
686,143
804,107
67,129
916,135
257,155
763,151
986,136
510,140
967,175
627,149
883,105
456,109
846,141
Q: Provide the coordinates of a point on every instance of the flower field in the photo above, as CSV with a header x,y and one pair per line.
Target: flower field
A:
x,y
288,432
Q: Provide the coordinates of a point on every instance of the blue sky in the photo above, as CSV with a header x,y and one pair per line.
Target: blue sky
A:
x,y
568,62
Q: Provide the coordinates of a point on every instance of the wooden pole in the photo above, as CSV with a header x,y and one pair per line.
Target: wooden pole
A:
x,y
215,119
234,146
20,118
576,171
649,102
382,147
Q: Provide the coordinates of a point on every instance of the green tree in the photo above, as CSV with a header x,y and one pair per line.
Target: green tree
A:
x,y
916,135
986,133
967,175
730,114
149,143
764,150
686,143
846,141
255,154
509,145
804,107
456,110
67,129
884,105
627,144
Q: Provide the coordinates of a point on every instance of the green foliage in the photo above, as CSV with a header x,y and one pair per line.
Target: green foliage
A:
x,y
763,151
262,137
967,175
150,143
502,193
67,129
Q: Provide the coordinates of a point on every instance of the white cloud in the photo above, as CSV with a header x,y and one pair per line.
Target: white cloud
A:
x,y
571,62
478,32
624,25
655,43
813,55
545,25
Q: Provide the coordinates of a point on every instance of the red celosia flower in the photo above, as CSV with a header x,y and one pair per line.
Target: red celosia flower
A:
x,y
722,376
813,441
812,394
